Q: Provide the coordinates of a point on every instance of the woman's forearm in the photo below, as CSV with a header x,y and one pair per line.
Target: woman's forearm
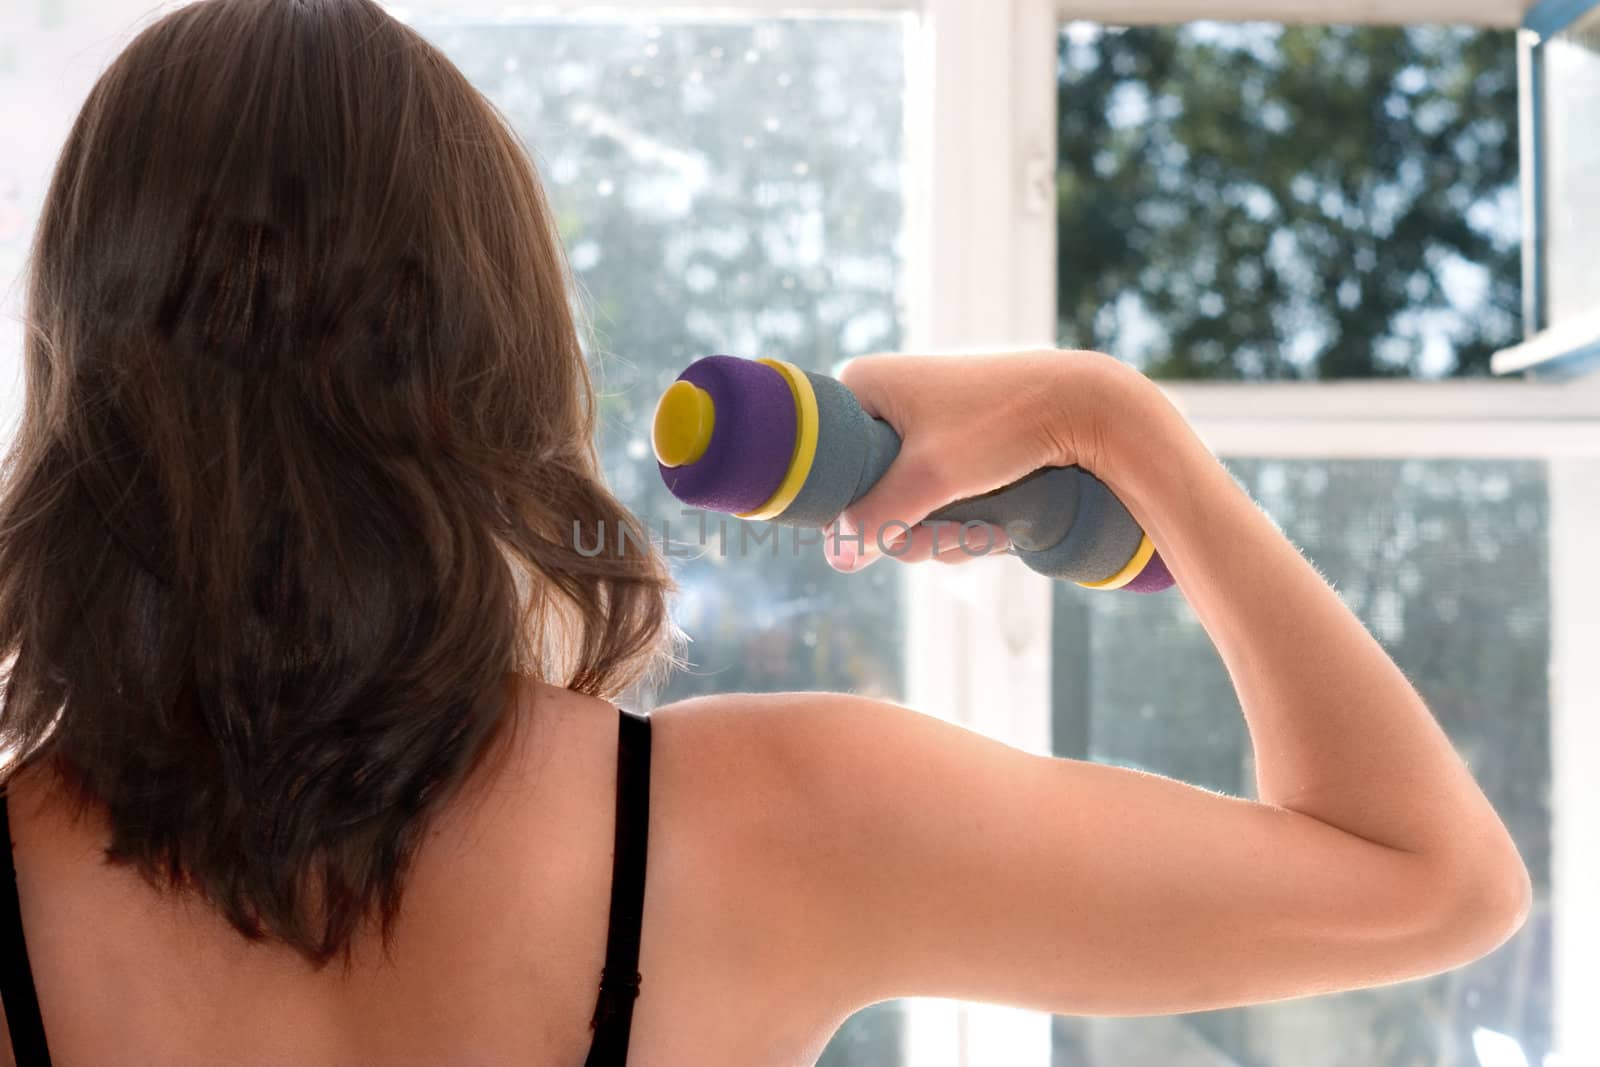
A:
x,y
1339,733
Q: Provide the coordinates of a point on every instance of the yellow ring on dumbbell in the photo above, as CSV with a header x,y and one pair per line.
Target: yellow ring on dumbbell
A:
x,y
805,442
681,430
1128,573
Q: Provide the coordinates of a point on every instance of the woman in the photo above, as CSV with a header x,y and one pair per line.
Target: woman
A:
x,y
313,759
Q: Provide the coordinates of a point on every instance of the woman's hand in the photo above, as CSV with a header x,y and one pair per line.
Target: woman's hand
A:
x,y
968,425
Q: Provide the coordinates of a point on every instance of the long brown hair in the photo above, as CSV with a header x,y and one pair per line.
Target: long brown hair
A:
x,y
307,442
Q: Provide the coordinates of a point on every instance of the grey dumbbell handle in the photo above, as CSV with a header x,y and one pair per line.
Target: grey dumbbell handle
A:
x,y
1063,521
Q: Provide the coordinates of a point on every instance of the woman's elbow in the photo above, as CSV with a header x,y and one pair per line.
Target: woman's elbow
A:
x,y
1481,902
1505,898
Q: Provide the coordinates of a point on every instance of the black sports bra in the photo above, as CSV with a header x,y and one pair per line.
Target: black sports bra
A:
x,y
619,980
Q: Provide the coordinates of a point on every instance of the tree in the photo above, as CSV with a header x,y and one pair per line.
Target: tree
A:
x,y
1255,201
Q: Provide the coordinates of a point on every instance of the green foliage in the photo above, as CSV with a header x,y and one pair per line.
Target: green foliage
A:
x,y
1257,201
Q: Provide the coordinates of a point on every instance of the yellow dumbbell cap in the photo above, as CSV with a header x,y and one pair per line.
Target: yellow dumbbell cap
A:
x,y
684,418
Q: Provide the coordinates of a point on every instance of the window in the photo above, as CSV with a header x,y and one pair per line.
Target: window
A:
x,y
1256,201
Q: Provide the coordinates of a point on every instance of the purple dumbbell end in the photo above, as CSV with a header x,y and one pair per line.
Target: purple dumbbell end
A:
x,y
752,437
1153,579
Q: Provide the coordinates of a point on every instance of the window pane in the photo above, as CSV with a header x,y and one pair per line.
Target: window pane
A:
x,y
1572,170
1251,200
1446,561
725,186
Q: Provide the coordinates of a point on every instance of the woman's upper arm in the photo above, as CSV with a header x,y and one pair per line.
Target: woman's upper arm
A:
x,y
901,855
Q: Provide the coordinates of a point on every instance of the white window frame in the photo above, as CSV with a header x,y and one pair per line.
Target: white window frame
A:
x,y
980,274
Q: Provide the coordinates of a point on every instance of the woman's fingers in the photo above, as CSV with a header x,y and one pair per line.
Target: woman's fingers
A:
x,y
967,425
943,541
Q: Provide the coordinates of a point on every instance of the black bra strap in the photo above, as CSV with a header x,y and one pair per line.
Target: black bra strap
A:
x,y
619,981
23,1021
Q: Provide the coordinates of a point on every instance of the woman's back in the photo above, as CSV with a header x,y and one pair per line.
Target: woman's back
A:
x,y
120,969
496,957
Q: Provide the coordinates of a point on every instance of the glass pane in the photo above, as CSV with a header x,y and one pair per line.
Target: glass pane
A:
x,y
1252,200
725,186
1446,561
1572,170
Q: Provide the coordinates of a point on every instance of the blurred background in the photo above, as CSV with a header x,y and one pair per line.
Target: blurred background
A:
x,y
1362,257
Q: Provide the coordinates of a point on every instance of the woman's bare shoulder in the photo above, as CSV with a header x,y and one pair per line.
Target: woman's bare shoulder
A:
x,y
755,763
737,851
